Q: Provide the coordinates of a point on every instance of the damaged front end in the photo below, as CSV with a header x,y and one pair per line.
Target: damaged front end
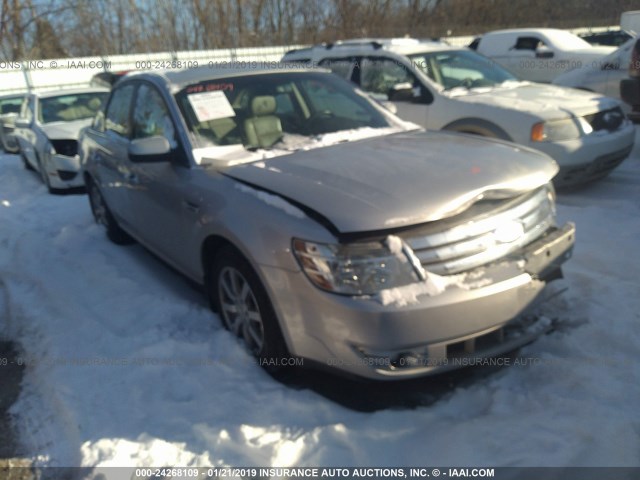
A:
x,y
63,166
467,287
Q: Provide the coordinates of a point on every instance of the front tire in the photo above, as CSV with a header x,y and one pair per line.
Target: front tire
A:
x,y
103,216
244,307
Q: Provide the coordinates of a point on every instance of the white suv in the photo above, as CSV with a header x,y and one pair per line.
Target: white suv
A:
x,y
443,87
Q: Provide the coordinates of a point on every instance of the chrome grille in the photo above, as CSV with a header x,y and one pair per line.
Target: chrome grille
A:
x,y
477,242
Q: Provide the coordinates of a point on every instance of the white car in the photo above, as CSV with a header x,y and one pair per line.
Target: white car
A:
x,y
602,76
47,132
538,54
447,88
9,108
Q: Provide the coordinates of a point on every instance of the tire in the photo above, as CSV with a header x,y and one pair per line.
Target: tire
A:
x,y
103,216
244,308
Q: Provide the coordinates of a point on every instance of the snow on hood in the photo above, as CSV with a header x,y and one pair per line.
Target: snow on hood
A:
x,y
229,155
398,180
66,130
547,101
597,51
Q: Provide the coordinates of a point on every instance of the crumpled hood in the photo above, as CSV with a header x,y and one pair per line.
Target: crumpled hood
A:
x,y
547,101
398,180
66,130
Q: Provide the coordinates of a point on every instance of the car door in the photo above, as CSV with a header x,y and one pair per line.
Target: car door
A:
x,y
110,153
158,185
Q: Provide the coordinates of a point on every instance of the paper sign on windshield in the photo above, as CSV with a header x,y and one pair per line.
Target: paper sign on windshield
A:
x,y
211,106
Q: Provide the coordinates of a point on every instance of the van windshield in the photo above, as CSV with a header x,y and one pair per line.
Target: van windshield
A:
x,y
461,68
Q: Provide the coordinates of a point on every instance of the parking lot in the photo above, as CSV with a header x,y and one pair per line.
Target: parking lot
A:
x,y
126,365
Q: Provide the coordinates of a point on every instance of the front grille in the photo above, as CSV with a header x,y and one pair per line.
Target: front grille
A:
x,y
606,119
504,227
65,147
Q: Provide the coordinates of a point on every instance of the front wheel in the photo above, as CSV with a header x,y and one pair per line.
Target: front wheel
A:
x,y
103,216
244,307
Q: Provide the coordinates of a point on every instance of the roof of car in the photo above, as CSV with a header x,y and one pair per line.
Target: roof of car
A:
x,y
405,46
70,91
190,76
548,31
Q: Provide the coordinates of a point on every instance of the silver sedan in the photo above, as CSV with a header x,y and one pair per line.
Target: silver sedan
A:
x,y
322,226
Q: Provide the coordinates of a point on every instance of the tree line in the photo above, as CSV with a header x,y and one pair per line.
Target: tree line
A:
x,y
32,29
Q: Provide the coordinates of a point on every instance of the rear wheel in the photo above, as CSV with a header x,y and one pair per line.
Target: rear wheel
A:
x,y
244,307
103,216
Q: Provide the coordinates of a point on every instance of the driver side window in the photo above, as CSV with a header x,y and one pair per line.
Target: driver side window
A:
x,y
528,43
381,75
117,115
151,116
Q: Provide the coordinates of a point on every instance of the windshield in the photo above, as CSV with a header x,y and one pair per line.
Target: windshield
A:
x,y
461,68
273,110
67,108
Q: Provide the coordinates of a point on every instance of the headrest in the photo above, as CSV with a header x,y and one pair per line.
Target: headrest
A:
x,y
94,103
263,105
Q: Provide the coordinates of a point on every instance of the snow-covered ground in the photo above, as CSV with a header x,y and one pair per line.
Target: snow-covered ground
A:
x,y
128,367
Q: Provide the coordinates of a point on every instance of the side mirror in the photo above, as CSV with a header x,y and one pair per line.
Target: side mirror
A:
x,y
150,149
22,123
401,92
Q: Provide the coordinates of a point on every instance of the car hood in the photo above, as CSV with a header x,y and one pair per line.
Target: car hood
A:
x,y
65,130
592,52
547,101
398,180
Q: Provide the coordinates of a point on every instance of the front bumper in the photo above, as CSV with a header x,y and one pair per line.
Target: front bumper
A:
x,y
363,337
590,157
64,171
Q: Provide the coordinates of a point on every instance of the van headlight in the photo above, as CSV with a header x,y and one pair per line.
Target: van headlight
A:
x,y
556,130
354,269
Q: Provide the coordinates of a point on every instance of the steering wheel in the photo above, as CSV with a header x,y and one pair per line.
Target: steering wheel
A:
x,y
468,82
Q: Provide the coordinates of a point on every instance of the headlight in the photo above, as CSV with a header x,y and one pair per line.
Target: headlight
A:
x,y
556,130
355,269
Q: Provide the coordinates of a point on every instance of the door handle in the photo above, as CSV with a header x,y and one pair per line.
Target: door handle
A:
x,y
192,207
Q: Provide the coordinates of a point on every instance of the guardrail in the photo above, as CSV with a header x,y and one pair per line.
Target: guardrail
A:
x,y
42,75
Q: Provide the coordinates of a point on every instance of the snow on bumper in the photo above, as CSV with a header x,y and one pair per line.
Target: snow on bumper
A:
x,y
489,312
64,171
